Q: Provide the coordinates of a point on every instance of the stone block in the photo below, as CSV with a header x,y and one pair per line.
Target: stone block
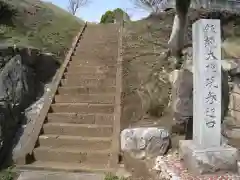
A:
x,y
236,85
233,133
215,160
147,142
182,98
235,116
232,66
234,103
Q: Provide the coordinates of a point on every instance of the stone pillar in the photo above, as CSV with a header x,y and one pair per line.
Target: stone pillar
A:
x,y
205,154
207,83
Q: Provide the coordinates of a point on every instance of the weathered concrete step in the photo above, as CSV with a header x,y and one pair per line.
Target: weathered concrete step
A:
x,y
103,43
86,130
82,108
90,75
87,90
100,42
82,78
65,167
32,174
91,69
76,118
82,69
87,82
98,54
75,155
85,98
100,66
77,60
93,143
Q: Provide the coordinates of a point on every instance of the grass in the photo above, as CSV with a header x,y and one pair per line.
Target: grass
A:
x,y
38,24
8,174
110,176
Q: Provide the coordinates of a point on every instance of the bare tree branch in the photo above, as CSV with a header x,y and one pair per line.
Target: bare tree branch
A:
x,y
153,6
75,5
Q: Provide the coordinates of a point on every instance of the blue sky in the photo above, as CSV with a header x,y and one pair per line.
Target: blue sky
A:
x,y
94,10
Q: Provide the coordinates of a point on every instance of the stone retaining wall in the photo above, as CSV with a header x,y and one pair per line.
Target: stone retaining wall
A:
x,y
234,104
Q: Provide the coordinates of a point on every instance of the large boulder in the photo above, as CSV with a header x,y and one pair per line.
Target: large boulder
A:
x,y
22,80
142,143
16,93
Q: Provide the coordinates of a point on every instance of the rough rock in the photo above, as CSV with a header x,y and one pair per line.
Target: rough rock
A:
x,y
231,47
16,93
182,98
31,114
6,53
154,93
230,65
22,82
142,143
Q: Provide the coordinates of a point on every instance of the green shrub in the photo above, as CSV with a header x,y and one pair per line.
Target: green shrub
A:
x,y
108,17
111,16
7,174
110,176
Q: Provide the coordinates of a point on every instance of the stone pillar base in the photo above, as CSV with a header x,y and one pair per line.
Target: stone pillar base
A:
x,y
207,161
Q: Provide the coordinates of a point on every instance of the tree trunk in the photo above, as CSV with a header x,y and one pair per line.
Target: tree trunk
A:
x,y
176,41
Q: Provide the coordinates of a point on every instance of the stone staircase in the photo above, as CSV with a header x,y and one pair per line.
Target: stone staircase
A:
x,y
78,132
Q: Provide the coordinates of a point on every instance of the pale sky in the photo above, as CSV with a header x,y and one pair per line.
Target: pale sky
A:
x,y
94,10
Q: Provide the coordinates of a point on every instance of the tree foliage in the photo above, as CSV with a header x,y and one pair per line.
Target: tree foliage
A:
x,y
108,17
120,13
115,15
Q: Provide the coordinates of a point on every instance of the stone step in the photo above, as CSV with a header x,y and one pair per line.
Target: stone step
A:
x,y
65,167
99,41
87,130
32,174
90,75
82,69
85,98
98,55
82,78
93,143
89,66
87,90
76,118
98,47
88,82
91,69
93,62
82,108
75,155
